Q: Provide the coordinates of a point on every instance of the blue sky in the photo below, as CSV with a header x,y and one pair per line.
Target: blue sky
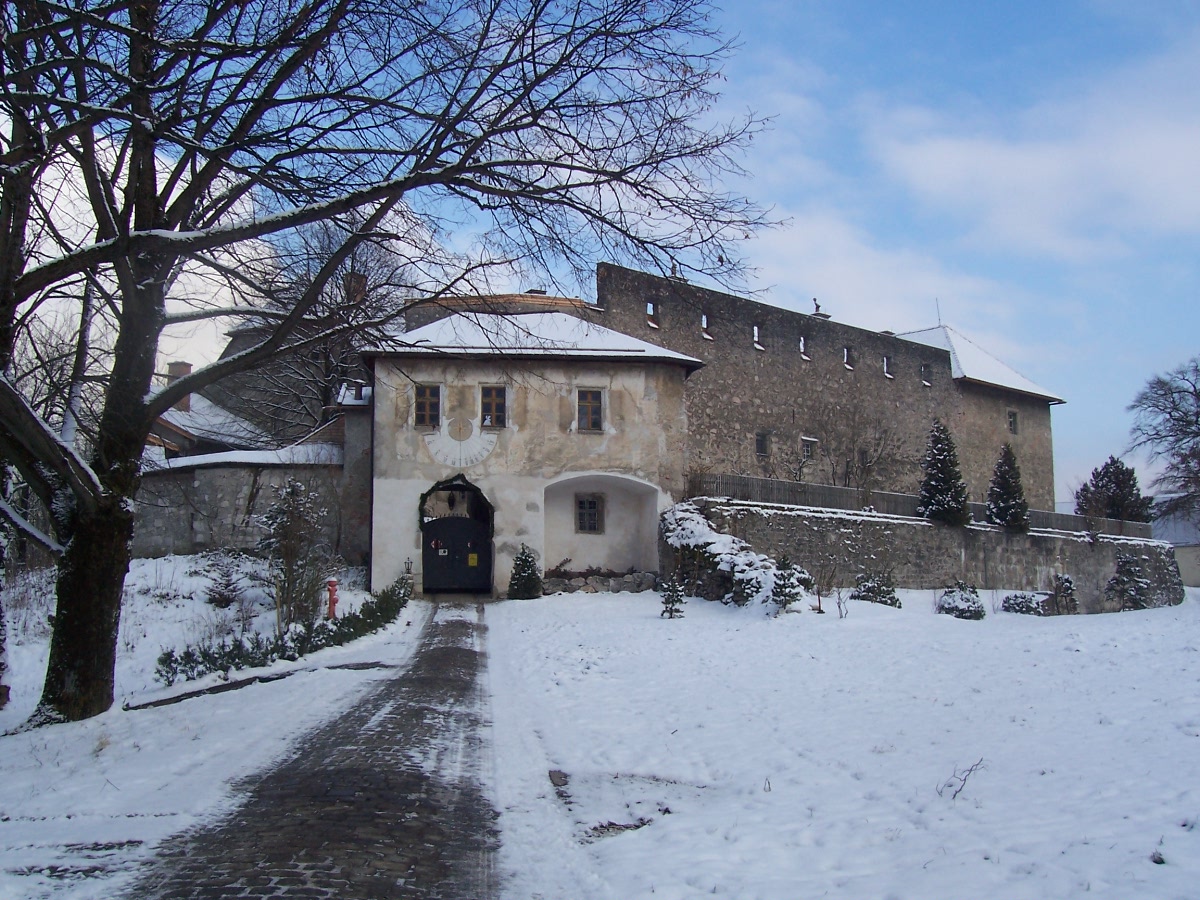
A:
x,y
1032,168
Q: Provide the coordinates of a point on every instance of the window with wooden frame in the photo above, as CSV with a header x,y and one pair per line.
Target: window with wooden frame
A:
x,y
493,407
589,513
590,405
428,406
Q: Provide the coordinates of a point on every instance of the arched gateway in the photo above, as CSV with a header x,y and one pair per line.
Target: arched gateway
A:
x,y
456,538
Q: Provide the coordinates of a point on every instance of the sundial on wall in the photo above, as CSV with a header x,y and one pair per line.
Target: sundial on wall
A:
x,y
459,442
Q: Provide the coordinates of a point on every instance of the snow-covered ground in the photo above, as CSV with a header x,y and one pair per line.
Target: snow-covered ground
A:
x,y
807,756
791,757
81,804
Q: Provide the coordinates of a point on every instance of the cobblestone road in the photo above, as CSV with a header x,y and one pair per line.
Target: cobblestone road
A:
x,y
383,802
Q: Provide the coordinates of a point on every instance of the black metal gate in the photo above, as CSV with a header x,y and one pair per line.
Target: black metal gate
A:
x,y
456,556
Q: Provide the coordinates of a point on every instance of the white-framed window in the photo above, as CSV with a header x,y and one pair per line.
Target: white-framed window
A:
x,y
808,448
589,405
493,406
427,405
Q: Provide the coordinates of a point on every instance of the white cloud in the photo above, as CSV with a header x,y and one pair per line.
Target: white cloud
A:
x,y
1085,174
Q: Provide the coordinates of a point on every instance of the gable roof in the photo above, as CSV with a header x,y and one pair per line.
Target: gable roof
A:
x,y
528,336
208,421
970,362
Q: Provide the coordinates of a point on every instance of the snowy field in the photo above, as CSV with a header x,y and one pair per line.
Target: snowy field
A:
x,y
794,757
82,804
807,756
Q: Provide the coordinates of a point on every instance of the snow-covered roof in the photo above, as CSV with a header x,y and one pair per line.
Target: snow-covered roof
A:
x,y
530,335
207,420
970,362
295,455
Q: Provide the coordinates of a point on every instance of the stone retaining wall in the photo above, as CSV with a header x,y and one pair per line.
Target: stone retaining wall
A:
x,y
634,583
923,555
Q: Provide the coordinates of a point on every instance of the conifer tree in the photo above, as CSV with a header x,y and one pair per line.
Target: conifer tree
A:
x,y
1128,588
672,598
1006,503
789,583
1113,493
943,495
526,581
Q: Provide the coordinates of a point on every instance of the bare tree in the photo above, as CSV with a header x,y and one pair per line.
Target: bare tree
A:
x,y
1167,424
859,447
178,151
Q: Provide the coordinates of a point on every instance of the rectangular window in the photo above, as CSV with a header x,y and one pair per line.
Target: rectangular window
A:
x,y
757,342
1012,421
762,443
925,374
591,410
428,406
704,327
492,406
804,348
848,357
808,448
652,314
887,367
589,513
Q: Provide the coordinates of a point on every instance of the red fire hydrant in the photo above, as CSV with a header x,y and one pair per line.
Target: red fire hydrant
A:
x,y
332,584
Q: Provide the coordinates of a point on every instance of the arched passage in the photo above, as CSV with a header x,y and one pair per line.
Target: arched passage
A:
x,y
607,522
456,538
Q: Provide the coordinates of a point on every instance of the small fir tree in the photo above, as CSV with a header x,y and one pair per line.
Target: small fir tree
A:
x,y
1062,600
1113,493
1006,503
299,560
672,598
526,580
960,600
1128,588
875,588
943,495
789,583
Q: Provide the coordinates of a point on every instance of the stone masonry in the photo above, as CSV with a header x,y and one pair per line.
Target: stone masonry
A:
x,y
923,555
774,377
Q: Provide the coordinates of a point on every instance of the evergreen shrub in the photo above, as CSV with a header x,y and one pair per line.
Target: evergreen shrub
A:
x,y
672,598
525,582
960,600
875,588
253,650
1025,604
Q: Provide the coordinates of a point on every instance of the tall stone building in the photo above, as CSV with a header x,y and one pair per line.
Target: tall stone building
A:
x,y
800,396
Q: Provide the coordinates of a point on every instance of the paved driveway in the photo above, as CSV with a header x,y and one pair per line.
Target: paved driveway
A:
x,y
383,802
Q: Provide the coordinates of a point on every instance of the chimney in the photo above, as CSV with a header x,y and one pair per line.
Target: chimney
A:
x,y
175,371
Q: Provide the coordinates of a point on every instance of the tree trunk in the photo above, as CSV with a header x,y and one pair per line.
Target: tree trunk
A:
x,y
83,644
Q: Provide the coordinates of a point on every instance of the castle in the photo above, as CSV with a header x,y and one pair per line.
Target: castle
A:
x,y
568,427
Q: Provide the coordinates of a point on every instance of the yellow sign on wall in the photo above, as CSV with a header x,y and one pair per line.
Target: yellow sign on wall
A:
x,y
472,559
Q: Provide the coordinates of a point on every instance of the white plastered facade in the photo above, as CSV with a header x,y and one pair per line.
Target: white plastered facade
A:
x,y
533,470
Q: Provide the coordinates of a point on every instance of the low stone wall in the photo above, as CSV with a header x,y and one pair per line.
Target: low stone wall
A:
x,y
634,583
923,555
210,507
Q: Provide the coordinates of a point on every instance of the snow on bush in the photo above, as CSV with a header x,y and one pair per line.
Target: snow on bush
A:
x,y
1024,604
703,550
875,589
960,600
